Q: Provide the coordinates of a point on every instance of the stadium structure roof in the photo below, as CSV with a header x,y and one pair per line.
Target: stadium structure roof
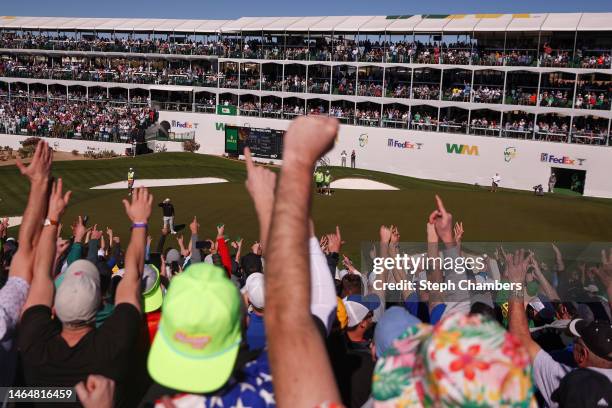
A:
x,y
429,23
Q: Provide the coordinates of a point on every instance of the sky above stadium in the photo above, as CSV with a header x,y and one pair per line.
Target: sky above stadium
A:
x,y
231,9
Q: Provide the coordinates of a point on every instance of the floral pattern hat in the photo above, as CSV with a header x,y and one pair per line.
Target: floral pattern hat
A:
x,y
463,361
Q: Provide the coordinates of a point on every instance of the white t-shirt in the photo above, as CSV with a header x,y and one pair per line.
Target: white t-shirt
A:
x,y
496,179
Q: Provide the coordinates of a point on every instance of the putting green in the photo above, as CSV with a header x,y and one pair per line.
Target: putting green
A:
x,y
503,216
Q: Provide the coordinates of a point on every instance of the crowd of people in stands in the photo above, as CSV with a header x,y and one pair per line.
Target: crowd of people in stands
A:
x,y
92,121
139,73
143,320
485,94
323,49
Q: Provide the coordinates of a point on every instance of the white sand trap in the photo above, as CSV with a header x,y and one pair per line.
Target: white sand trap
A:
x,y
13,221
161,183
360,184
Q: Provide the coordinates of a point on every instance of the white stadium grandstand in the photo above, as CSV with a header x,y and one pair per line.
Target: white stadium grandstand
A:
x,y
517,95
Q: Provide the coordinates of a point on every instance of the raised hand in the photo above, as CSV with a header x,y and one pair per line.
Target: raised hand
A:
x,y
385,234
308,138
335,241
194,226
443,221
57,201
79,230
458,231
220,230
39,169
260,184
95,233
604,273
139,210
516,266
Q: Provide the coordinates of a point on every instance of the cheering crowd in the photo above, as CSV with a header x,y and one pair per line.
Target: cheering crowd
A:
x,y
93,121
129,320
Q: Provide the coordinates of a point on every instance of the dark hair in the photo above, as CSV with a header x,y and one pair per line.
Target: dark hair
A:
x,y
351,285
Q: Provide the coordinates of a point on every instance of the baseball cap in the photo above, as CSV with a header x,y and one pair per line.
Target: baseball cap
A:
x,y
583,388
254,289
173,256
371,301
151,289
197,342
78,296
390,326
356,312
597,335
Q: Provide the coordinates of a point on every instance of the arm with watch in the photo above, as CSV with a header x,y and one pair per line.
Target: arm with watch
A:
x,y
516,269
139,211
42,289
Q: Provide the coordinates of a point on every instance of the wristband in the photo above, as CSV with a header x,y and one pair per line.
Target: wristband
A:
x,y
140,225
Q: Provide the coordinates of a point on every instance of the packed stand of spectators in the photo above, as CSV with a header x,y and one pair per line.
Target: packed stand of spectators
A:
x,y
458,93
116,72
521,128
248,108
484,126
93,121
369,89
485,94
551,131
558,99
210,321
591,100
520,96
338,49
428,92
394,116
589,133
367,117
423,121
344,114
296,83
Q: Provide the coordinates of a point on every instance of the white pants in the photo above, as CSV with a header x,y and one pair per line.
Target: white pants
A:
x,y
169,223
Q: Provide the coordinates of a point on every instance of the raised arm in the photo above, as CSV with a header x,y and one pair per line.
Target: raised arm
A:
x,y
260,184
516,269
42,289
138,211
302,372
434,275
38,173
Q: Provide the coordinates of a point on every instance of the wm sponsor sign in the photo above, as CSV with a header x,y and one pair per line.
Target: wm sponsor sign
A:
x,y
462,149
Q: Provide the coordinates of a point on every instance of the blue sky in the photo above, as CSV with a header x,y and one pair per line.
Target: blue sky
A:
x,y
230,9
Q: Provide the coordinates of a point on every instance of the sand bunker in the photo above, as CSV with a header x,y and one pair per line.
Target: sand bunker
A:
x,y
13,221
360,184
161,183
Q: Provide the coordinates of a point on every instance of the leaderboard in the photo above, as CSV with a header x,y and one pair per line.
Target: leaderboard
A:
x,y
264,142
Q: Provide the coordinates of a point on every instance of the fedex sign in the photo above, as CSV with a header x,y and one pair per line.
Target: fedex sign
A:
x,y
403,145
551,158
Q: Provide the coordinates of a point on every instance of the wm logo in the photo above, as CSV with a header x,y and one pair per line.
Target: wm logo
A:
x,y
220,126
462,149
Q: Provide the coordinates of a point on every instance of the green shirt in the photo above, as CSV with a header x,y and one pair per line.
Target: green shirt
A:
x,y
319,177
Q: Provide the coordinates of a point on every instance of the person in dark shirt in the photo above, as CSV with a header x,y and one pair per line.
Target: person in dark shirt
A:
x,y
64,349
168,215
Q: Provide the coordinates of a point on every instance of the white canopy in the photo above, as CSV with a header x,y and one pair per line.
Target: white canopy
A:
x,y
392,24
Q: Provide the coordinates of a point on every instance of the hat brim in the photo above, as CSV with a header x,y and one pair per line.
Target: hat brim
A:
x,y
153,301
171,368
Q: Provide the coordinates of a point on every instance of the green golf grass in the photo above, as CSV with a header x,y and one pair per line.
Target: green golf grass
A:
x,y
507,215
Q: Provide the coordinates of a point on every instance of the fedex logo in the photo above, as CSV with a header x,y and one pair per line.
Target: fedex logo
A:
x,y
403,145
551,158
184,125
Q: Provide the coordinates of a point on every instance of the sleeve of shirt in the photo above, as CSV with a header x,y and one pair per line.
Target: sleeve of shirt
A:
x,y
225,256
196,256
76,251
92,250
323,301
123,326
12,298
547,374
